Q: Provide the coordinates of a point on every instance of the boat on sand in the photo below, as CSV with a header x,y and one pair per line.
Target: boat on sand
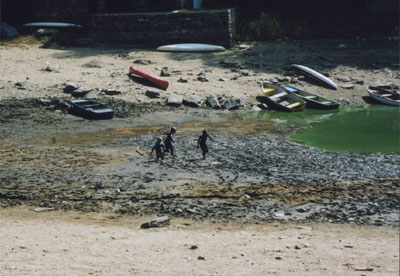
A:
x,y
385,96
313,100
92,109
280,99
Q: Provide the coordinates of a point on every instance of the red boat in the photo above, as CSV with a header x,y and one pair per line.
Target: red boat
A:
x,y
163,84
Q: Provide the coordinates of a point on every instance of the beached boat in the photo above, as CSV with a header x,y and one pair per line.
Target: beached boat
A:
x,y
92,109
313,100
315,75
385,96
280,99
159,82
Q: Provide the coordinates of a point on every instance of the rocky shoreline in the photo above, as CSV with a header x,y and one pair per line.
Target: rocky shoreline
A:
x,y
253,173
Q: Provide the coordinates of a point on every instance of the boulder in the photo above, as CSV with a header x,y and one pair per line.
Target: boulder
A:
x,y
165,72
153,94
94,64
81,92
175,100
69,87
143,61
112,92
212,102
193,101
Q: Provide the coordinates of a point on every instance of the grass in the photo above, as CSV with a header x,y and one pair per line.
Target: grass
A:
x,y
24,40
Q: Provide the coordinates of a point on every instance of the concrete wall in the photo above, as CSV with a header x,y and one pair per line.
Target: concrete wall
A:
x,y
217,27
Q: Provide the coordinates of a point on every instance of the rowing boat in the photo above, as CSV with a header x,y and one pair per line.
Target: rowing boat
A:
x,y
91,109
280,99
385,96
313,100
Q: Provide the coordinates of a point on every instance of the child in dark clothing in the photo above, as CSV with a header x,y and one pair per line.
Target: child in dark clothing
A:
x,y
158,146
169,140
202,142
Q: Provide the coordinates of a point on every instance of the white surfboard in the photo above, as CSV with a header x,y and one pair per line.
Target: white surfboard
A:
x,y
52,25
314,74
191,47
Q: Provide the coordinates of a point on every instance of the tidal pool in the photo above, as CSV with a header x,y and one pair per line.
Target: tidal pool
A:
x,y
356,128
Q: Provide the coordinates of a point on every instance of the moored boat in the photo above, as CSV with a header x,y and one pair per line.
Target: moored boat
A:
x,y
385,96
313,100
280,99
92,109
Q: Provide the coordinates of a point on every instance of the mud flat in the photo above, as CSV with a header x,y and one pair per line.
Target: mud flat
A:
x,y
253,173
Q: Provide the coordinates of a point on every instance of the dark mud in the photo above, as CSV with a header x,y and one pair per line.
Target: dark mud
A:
x,y
253,173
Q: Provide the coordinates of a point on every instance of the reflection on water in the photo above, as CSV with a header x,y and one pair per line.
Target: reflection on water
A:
x,y
361,128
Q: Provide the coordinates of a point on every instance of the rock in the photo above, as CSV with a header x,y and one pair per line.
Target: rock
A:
x,y
344,79
194,247
278,258
182,80
202,78
143,61
283,79
69,87
112,92
52,68
153,94
45,32
21,85
45,102
222,79
1,86
243,46
156,223
94,64
360,82
232,104
81,92
348,86
175,100
43,209
201,258
241,102
165,72
229,63
212,102
193,101
302,210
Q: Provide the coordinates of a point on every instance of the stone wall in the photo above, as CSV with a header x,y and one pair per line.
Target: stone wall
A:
x,y
214,27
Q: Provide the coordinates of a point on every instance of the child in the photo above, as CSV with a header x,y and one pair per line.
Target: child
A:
x,y
202,142
157,147
169,140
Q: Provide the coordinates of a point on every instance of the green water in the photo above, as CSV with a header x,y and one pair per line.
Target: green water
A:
x,y
360,128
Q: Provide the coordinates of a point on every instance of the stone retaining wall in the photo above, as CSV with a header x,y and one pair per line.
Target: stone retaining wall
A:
x,y
216,27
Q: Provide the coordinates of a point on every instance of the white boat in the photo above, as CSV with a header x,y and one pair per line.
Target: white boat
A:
x,y
52,25
315,75
385,96
191,47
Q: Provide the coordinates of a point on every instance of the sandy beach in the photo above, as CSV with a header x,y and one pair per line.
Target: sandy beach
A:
x,y
270,208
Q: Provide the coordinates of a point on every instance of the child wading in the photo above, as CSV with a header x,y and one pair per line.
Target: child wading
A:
x,y
202,142
158,148
169,147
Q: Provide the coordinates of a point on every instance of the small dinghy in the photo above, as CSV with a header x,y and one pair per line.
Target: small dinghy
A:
x,y
385,96
92,110
313,100
280,99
